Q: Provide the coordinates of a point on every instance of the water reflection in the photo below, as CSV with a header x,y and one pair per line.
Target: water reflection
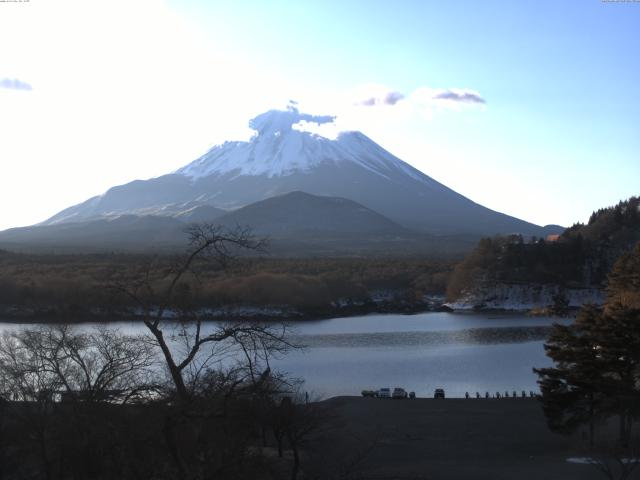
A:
x,y
470,336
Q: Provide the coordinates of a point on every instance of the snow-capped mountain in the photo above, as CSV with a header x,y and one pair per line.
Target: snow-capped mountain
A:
x,y
282,158
279,149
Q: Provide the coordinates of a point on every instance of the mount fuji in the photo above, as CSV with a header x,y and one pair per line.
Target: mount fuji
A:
x,y
282,157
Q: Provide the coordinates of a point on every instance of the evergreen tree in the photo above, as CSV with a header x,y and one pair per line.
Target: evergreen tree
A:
x,y
597,360
570,397
618,330
560,306
624,280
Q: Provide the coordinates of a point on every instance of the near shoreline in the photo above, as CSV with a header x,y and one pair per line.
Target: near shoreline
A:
x,y
453,439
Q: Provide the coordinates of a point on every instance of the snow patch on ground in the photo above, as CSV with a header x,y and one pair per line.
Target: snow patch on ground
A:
x,y
227,311
595,461
385,295
525,297
582,460
248,311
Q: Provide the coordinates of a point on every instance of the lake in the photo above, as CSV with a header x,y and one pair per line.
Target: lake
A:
x,y
460,352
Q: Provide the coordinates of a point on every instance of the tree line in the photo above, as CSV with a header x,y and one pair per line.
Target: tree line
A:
x,y
70,287
582,256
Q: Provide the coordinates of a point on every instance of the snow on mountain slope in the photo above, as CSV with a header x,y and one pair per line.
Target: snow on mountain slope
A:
x,y
282,157
278,148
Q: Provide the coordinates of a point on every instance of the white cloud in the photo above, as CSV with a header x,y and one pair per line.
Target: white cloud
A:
x,y
376,103
380,111
457,95
14,84
424,97
371,96
446,99
125,90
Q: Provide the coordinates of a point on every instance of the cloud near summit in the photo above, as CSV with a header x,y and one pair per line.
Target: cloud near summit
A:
x,y
462,96
388,98
421,97
367,107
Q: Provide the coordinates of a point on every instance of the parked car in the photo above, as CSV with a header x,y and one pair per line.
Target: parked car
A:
x,y
399,393
438,393
412,395
384,393
369,393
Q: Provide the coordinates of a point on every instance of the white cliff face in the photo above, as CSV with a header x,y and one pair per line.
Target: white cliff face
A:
x,y
505,296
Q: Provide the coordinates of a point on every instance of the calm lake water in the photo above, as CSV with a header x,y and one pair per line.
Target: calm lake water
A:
x,y
459,352
454,351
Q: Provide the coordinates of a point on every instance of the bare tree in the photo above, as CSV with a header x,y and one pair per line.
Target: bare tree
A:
x,y
298,421
196,348
60,362
42,368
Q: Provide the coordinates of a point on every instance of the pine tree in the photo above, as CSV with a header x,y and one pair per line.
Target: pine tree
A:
x,y
624,280
597,359
618,330
570,396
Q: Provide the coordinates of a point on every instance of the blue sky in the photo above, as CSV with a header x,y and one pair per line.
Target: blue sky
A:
x,y
148,88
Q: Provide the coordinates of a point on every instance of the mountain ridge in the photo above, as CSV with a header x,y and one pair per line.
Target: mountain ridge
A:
x,y
282,157
296,223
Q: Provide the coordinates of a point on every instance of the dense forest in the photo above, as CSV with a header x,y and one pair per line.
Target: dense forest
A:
x,y
581,257
74,286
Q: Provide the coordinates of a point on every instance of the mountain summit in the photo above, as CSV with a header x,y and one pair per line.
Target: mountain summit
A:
x,y
282,157
280,148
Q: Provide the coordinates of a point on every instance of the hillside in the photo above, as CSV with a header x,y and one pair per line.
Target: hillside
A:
x,y
299,213
120,232
296,224
580,258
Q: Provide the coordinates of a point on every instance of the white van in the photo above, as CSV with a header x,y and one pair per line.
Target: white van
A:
x,y
384,393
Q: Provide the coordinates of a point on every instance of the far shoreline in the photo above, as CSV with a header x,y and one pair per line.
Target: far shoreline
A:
x,y
13,315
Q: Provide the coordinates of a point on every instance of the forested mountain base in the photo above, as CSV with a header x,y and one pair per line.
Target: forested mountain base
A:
x,y
77,287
